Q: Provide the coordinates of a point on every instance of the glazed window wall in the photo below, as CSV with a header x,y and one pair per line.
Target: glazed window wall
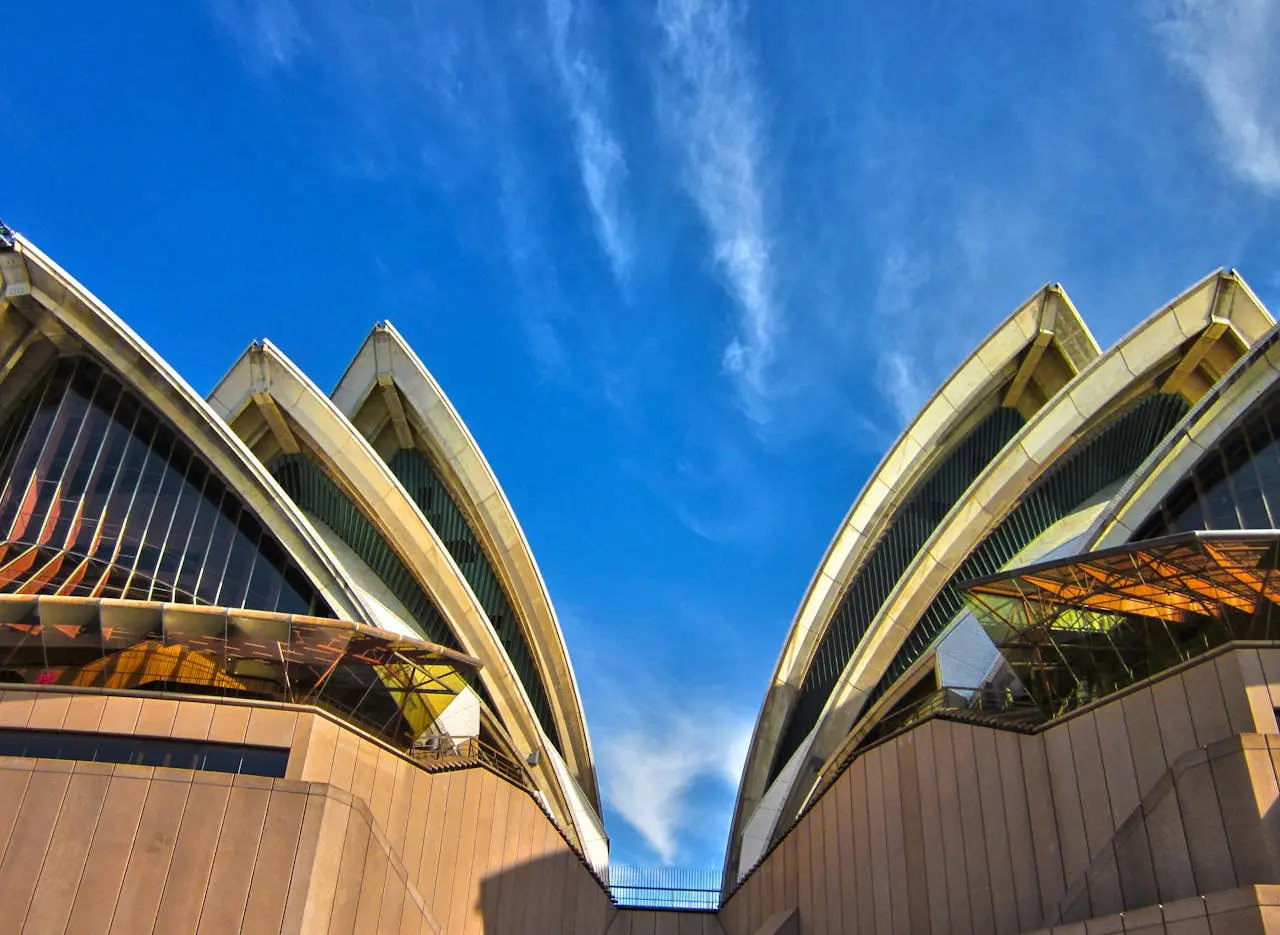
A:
x,y
314,491
1080,628
1114,452
1235,485
442,512
909,530
145,751
102,498
389,686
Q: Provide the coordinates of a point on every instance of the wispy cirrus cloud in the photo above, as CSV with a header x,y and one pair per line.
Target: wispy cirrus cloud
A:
x,y
414,87
270,32
430,94
669,742
650,768
1227,47
714,485
901,280
938,292
602,164
710,104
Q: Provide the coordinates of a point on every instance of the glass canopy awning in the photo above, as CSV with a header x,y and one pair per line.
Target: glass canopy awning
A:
x,y
389,685
1079,628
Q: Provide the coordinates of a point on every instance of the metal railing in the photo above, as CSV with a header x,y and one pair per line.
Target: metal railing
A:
x,y
454,753
984,704
664,887
993,707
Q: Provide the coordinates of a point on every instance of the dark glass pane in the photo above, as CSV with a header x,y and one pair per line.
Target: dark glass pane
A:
x,y
297,596
1215,495
88,448
235,580
101,483
63,438
103,748
197,545
439,508
145,751
178,529
163,508
118,504
140,509
314,491
215,562
14,433
1246,488
21,482
117,580
1266,465
68,471
1234,485
137,448
259,761
1191,517
268,577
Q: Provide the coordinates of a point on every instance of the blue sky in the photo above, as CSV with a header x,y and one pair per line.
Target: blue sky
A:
x,y
684,266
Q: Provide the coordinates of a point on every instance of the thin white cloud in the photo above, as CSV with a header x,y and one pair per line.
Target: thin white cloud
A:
x,y
602,164
670,742
941,285
269,32
534,273
902,279
904,387
649,769
710,105
431,92
713,484
1228,48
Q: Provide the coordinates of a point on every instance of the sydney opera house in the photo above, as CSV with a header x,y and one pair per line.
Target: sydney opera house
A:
x,y
281,661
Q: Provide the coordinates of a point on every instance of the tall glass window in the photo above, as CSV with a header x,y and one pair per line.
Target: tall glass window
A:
x,y
314,491
101,498
909,529
447,519
1234,485
1111,453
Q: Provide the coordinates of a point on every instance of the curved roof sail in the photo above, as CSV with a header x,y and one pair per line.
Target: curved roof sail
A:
x,y
1177,354
333,472
1023,363
1216,416
391,397
46,316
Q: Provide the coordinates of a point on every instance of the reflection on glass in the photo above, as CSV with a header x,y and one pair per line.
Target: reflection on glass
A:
x,y
145,751
393,688
1078,629
447,519
1234,485
102,499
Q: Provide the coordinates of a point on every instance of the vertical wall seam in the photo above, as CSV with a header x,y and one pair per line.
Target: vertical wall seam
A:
x,y
62,801
125,868
151,785
213,860
982,823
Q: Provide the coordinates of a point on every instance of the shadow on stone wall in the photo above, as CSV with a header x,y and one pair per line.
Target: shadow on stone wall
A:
x,y
555,893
